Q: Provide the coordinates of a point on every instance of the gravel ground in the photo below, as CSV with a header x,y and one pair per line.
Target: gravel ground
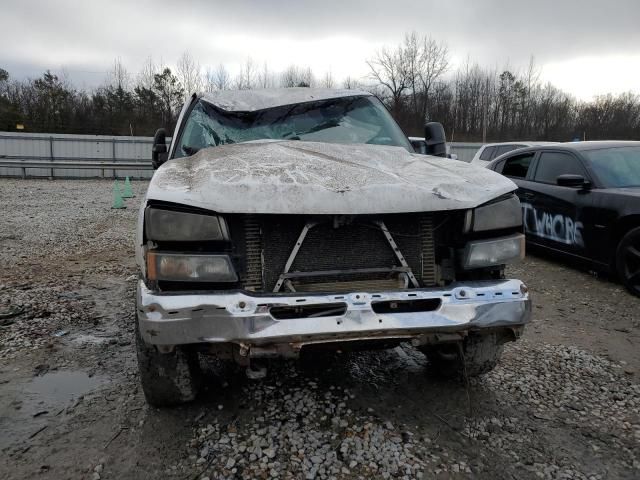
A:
x,y
563,403
50,234
314,429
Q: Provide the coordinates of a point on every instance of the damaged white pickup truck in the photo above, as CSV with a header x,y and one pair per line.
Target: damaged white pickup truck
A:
x,y
294,219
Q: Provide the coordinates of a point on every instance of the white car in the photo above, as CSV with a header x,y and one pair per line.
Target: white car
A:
x,y
490,151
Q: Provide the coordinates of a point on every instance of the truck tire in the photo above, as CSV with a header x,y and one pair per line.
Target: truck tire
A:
x,y
167,378
477,355
628,261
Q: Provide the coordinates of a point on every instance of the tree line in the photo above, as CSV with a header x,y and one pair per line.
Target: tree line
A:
x,y
414,79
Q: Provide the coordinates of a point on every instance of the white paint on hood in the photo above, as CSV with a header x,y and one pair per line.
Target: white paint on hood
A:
x,y
295,177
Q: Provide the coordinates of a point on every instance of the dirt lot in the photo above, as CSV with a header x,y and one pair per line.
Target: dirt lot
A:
x,y
564,403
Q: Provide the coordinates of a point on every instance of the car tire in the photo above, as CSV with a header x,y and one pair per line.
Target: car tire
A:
x,y
167,379
628,261
477,355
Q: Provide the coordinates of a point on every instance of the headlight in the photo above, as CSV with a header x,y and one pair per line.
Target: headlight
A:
x,y
496,251
171,226
503,214
177,267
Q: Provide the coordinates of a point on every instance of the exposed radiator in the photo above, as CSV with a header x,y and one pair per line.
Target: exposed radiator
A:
x,y
253,252
333,245
428,259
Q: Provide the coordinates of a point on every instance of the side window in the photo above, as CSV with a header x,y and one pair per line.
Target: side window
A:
x,y
499,166
553,164
518,165
506,148
487,153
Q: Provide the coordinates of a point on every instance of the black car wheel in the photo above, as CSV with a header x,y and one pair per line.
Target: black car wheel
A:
x,y
628,261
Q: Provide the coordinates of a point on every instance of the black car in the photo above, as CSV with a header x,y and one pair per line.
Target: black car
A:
x,y
582,199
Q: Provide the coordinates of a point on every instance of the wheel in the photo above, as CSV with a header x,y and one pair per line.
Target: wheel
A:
x,y
478,354
167,378
628,261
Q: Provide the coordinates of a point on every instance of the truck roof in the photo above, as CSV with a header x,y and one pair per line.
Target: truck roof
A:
x,y
254,100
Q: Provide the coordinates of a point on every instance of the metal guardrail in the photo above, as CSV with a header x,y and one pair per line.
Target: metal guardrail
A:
x,y
23,164
74,156
77,138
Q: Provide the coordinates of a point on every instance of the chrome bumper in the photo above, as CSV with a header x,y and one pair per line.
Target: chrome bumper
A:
x,y
242,318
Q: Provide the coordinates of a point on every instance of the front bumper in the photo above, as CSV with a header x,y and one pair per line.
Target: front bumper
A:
x,y
244,319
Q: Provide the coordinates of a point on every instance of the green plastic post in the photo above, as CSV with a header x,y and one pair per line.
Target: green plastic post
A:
x,y
117,197
128,191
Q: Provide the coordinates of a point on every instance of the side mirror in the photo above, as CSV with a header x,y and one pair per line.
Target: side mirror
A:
x,y
159,152
435,139
571,180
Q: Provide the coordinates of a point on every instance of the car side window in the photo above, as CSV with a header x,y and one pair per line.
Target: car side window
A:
x,y
487,153
498,166
553,164
504,149
518,165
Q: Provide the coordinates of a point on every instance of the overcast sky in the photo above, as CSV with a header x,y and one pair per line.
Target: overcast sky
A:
x,y
585,47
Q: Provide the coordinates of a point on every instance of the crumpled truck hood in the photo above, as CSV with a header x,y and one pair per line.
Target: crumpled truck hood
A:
x,y
294,177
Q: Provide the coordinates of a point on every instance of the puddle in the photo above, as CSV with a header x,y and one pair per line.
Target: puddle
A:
x,y
28,406
61,387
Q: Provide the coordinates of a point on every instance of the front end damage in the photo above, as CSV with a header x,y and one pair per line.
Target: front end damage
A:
x,y
268,248
331,281
241,326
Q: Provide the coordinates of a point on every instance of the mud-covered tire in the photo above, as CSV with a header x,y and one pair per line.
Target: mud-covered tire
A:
x,y
628,261
167,379
477,355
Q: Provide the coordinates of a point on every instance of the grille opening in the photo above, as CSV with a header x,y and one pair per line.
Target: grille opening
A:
x,y
308,311
268,240
406,306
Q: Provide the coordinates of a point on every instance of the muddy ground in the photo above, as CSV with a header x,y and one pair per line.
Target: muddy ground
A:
x,y
564,402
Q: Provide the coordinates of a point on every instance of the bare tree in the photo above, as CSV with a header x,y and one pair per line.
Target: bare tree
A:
x,y
209,80
188,72
218,79
327,81
246,78
266,78
147,74
294,76
308,79
412,54
350,83
389,68
289,77
412,68
118,76
434,62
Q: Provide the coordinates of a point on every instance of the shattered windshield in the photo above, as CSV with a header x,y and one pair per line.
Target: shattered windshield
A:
x,y
343,120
